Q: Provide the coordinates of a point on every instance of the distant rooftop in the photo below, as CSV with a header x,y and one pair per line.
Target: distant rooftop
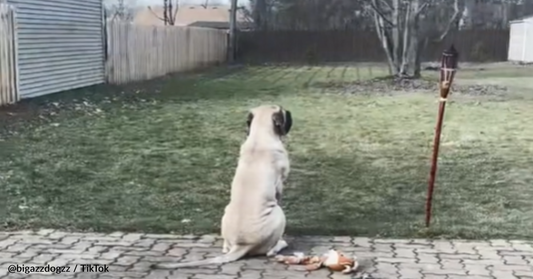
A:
x,y
186,15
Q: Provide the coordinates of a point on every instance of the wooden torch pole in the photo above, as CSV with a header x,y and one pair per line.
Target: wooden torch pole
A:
x,y
434,159
447,73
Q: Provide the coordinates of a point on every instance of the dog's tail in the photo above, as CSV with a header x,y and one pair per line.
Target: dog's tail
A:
x,y
236,253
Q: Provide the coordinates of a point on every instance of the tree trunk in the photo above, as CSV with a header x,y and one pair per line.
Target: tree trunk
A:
x,y
383,37
407,31
396,40
404,33
413,62
466,20
259,14
165,11
170,11
413,41
387,40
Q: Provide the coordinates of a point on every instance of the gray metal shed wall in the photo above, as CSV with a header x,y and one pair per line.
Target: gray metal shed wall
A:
x,y
60,45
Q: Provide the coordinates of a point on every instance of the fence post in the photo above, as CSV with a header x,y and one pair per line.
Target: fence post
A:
x,y
232,31
9,83
15,56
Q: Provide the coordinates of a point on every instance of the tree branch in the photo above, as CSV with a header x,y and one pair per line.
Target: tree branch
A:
x,y
175,12
389,6
395,31
421,9
375,7
385,41
246,14
453,19
406,36
152,11
170,12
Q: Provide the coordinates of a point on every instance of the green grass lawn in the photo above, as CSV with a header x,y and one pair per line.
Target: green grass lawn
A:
x,y
159,156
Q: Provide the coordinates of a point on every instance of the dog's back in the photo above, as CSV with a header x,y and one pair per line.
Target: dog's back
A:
x,y
253,222
258,174
253,189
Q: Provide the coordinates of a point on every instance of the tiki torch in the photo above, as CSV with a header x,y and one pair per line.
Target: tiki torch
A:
x,y
447,72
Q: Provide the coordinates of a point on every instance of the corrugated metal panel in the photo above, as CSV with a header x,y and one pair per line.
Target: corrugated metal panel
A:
x,y
60,45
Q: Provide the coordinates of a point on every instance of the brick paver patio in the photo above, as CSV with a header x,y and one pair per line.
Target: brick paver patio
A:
x,y
130,256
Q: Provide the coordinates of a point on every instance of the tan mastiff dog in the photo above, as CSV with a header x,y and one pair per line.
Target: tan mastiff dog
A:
x,y
253,223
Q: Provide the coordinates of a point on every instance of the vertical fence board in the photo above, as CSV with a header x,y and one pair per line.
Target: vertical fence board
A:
x,y
8,60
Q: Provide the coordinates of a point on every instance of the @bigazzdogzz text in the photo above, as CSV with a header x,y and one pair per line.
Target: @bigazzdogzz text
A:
x,y
27,269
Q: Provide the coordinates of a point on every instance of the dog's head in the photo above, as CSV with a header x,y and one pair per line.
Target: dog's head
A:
x,y
270,117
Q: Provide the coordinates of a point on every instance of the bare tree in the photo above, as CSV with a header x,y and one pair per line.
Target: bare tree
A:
x,y
309,14
205,4
246,14
259,14
405,27
466,16
170,11
350,14
123,10
211,3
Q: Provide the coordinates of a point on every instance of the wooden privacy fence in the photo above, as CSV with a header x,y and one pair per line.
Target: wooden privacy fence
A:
x,y
8,59
136,52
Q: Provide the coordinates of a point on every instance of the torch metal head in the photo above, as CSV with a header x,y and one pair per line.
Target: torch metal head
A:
x,y
450,57
448,66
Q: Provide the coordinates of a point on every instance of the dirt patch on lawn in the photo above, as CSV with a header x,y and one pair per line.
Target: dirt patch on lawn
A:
x,y
394,86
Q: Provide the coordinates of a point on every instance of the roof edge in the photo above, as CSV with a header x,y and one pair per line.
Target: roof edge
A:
x,y
522,19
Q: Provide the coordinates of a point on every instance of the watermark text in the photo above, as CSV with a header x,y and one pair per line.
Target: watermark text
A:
x,y
56,269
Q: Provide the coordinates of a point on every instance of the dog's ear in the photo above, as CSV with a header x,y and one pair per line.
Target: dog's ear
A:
x,y
288,121
249,122
282,120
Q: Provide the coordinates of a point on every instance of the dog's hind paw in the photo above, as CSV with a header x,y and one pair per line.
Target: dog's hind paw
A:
x,y
282,244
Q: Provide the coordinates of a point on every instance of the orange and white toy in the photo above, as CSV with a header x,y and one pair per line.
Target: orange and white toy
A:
x,y
333,260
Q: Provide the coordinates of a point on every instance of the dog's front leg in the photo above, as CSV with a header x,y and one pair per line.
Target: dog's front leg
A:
x,y
279,191
285,173
279,188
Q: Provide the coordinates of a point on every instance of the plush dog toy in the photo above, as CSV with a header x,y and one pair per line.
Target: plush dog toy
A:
x,y
333,260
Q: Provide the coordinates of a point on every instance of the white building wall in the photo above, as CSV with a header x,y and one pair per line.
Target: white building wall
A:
x,y
528,49
60,45
516,41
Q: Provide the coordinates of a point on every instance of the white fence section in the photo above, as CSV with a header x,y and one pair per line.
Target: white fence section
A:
x,y
138,52
8,56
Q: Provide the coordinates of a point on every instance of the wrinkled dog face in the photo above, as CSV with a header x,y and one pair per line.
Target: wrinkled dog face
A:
x,y
274,116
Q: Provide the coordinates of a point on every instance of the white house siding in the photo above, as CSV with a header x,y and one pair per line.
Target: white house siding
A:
x,y
528,52
521,41
516,41
60,45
